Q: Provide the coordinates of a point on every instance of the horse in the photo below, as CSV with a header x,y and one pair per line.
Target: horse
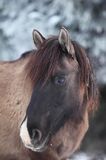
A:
x,y
46,97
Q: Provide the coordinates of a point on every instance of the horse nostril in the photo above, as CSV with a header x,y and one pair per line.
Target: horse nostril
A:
x,y
36,135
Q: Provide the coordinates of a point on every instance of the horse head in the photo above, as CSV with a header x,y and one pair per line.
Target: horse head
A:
x,y
64,92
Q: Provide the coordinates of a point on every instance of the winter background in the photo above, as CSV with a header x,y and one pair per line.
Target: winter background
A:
x,y
86,21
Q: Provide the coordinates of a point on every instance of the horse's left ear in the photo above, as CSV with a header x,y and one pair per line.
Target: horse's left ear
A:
x,y
65,41
37,38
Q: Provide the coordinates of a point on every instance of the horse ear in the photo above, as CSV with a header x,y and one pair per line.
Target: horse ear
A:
x,y
37,38
65,42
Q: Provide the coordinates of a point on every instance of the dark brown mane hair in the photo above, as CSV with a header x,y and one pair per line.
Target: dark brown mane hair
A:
x,y
87,77
43,63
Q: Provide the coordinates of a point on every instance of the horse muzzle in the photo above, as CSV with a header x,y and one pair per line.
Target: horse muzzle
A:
x,y
34,143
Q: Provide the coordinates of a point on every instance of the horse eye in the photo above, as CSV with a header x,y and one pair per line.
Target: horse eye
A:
x,y
59,80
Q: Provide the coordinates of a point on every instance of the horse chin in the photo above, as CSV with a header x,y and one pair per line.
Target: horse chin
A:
x,y
40,148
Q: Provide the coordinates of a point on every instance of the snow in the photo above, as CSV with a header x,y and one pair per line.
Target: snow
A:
x,y
84,19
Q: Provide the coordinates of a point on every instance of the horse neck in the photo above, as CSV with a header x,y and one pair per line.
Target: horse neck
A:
x,y
16,88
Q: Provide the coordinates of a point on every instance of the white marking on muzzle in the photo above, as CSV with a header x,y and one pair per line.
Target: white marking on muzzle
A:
x,y
24,134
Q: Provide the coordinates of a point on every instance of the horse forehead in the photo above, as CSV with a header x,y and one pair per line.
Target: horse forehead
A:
x,y
68,64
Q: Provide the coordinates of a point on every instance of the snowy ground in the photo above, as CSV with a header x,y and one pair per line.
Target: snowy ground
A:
x,y
83,156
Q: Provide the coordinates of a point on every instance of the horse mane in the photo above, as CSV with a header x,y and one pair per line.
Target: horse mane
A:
x,y
43,64
45,60
87,77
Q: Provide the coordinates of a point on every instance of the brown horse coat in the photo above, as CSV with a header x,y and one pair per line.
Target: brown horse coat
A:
x,y
14,97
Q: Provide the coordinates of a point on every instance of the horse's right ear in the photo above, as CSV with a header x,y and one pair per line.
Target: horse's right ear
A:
x,y
37,38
